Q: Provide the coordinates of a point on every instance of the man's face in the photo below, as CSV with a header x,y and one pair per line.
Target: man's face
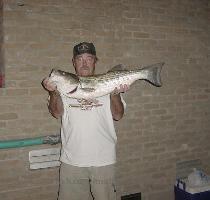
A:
x,y
84,64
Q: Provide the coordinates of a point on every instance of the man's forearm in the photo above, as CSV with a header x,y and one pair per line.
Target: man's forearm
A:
x,y
55,104
117,107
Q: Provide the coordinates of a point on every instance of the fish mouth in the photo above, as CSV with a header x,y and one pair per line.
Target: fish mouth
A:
x,y
52,73
74,90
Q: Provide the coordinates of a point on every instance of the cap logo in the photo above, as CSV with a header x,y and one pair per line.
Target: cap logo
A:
x,y
83,47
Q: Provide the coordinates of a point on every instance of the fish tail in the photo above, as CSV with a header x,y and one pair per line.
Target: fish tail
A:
x,y
153,74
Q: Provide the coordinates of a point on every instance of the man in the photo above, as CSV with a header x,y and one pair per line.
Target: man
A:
x,y
88,136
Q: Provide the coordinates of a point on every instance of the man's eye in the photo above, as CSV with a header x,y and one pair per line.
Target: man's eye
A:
x,y
89,59
78,58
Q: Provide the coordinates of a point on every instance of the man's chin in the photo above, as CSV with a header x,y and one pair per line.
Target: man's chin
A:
x,y
85,73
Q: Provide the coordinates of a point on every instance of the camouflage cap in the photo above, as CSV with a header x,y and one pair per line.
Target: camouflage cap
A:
x,y
84,47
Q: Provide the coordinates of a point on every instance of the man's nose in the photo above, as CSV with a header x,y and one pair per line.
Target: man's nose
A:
x,y
84,61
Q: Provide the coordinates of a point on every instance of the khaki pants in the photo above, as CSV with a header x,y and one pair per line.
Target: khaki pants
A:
x,y
87,183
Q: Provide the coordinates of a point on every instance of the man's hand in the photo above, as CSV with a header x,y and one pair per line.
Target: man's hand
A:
x,y
121,89
49,86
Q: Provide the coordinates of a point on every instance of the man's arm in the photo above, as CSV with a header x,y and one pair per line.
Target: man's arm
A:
x,y
55,102
117,107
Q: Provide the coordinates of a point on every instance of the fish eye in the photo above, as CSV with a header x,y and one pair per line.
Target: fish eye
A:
x,y
63,73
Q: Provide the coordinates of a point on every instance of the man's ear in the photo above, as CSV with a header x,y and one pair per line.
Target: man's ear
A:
x,y
96,59
73,61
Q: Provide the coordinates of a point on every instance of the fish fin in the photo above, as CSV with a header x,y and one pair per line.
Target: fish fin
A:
x,y
88,89
74,90
153,72
119,67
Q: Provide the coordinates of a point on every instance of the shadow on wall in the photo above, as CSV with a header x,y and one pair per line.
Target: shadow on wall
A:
x,y
1,47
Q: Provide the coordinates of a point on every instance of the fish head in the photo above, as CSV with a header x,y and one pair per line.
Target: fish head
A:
x,y
66,82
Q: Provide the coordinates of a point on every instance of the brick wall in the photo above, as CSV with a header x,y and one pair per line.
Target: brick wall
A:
x,y
1,46
162,126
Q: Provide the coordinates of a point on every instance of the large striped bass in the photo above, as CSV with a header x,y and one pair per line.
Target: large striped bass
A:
x,y
91,87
